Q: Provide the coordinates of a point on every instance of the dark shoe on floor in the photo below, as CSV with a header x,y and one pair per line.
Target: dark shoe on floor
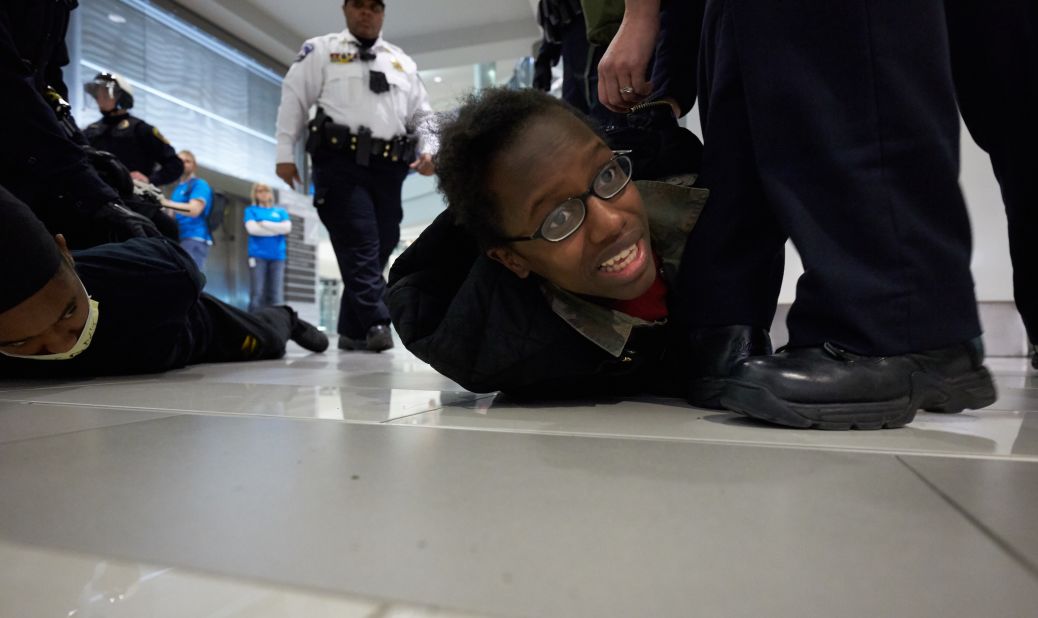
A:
x,y
715,351
307,336
827,387
378,338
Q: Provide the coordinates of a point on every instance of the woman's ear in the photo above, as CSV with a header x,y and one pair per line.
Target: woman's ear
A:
x,y
511,260
63,248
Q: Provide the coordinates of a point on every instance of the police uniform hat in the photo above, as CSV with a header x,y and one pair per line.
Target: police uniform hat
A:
x,y
117,85
29,257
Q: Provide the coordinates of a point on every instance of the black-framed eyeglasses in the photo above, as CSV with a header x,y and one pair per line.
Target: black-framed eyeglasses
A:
x,y
568,216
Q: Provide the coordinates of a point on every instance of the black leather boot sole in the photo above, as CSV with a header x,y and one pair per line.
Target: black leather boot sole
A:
x,y
378,339
714,353
304,333
830,388
309,336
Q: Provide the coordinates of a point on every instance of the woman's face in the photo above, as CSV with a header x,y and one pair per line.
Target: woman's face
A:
x,y
557,157
264,196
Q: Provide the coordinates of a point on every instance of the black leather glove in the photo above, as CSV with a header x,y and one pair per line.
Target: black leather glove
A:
x,y
123,224
660,146
111,170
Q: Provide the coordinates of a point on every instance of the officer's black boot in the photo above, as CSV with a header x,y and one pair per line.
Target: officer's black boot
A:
x,y
826,387
715,351
307,335
377,339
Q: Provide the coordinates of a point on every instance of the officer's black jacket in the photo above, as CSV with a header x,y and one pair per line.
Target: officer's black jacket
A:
x,y
478,324
151,319
138,145
38,159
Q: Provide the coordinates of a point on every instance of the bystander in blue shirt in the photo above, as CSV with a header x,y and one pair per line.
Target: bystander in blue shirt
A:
x,y
192,194
268,227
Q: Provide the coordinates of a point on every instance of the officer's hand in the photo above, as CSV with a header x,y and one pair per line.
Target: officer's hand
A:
x,y
289,173
424,165
139,176
111,170
123,223
621,71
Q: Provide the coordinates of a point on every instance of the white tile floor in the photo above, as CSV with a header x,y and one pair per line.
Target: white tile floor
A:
x,y
368,485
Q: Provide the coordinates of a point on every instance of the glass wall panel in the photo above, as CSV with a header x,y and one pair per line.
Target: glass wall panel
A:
x,y
203,94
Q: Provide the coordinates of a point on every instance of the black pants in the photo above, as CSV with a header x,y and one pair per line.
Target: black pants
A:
x,y
360,207
833,123
574,65
994,48
234,335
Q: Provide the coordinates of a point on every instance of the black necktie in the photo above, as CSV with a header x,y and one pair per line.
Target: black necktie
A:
x,y
366,55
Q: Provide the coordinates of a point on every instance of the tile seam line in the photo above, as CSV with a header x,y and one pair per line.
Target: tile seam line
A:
x,y
395,420
785,446
75,431
182,412
994,537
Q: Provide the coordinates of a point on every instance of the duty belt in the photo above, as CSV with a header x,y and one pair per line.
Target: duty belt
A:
x,y
400,149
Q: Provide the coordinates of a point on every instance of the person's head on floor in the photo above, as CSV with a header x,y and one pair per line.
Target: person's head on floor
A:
x,y
542,193
44,308
364,18
262,195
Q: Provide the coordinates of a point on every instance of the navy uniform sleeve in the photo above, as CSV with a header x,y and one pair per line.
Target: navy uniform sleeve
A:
x,y
170,167
674,67
35,151
163,273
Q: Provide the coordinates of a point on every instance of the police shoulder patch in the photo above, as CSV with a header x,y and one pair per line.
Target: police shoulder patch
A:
x,y
305,51
158,135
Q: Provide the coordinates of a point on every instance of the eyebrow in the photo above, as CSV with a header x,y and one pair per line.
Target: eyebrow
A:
x,y
543,196
71,305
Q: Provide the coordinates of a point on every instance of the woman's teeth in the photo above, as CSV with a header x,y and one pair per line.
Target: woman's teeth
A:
x,y
620,261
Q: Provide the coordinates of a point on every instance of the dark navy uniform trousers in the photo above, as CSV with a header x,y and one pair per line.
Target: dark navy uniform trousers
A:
x,y
360,206
994,47
834,124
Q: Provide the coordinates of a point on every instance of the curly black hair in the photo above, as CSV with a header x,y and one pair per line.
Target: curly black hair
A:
x,y
487,123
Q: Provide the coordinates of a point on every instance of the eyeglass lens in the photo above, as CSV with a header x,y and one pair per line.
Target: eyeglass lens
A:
x,y
569,215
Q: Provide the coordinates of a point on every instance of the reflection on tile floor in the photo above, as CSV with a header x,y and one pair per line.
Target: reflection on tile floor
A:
x,y
53,583
204,397
982,433
1007,429
396,387
419,411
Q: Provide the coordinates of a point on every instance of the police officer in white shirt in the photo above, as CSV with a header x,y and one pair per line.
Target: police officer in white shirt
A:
x,y
363,140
